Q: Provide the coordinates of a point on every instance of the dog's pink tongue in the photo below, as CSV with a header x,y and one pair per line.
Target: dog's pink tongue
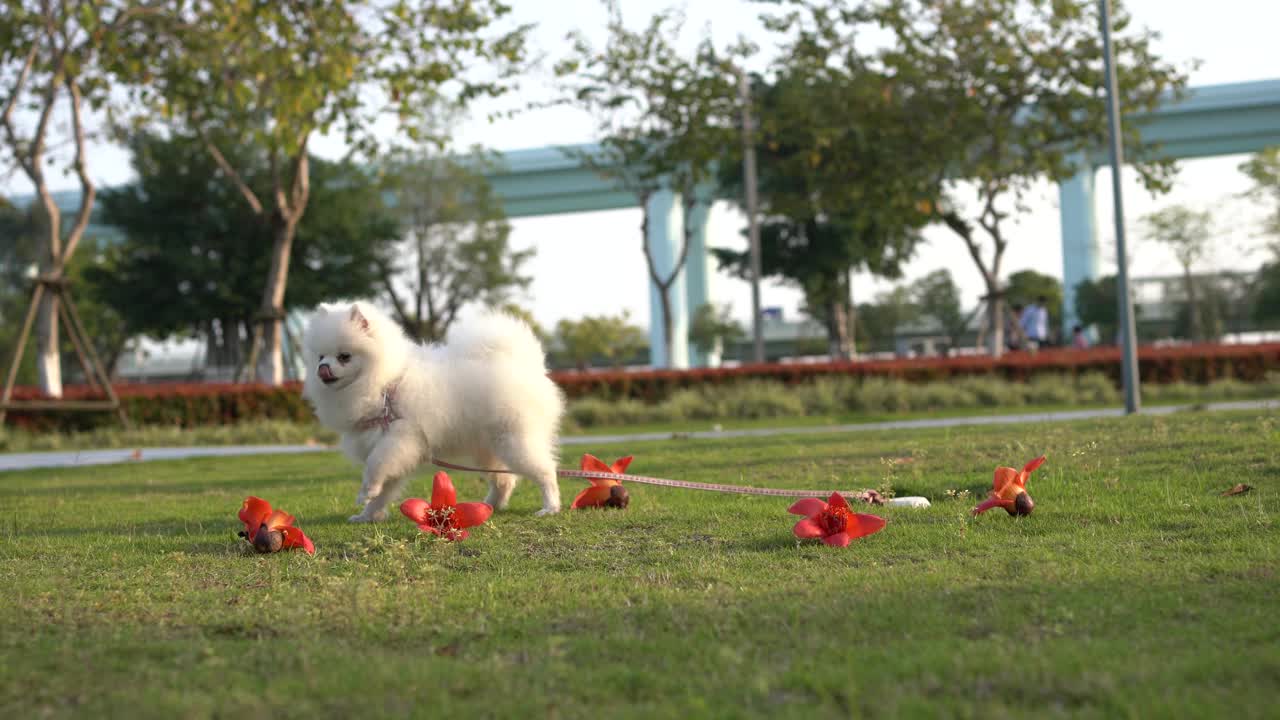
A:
x,y
325,373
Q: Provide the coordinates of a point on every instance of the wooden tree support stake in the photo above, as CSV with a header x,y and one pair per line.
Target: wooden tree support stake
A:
x,y
60,295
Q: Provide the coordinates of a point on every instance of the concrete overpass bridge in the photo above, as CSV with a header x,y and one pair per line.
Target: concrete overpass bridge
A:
x,y
1211,120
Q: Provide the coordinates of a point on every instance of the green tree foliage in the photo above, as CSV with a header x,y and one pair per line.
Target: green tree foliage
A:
x,y
664,117
1027,286
104,325
522,313
841,188
57,57
19,254
193,254
272,75
880,320
1264,170
937,296
609,337
1188,234
1096,305
1014,95
457,250
1266,298
713,328
23,233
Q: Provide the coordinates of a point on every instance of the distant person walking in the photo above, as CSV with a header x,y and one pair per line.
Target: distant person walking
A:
x,y
1013,335
1035,322
1078,339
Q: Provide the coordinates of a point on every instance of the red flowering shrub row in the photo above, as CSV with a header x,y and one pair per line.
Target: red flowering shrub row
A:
x,y
182,404
195,404
1193,363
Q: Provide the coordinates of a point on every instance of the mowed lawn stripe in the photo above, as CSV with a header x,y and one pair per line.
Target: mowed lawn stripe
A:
x,y
1135,589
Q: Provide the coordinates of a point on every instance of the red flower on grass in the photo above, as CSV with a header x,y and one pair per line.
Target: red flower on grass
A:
x,y
271,530
833,521
444,516
1009,490
604,492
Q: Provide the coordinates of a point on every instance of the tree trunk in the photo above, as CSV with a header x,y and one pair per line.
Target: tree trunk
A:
x,y
233,334
995,319
664,285
837,329
111,364
853,315
272,311
664,294
48,360
1193,306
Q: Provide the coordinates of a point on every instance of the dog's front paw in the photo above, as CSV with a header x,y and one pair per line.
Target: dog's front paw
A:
x,y
368,517
547,511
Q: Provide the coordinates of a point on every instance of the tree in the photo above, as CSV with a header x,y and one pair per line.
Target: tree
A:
x,y
611,337
663,117
521,313
1187,233
891,310
1207,319
19,255
841,188
713,328
1027,286
19,258
937,296
105,327
1264,170
272,75
193,254
458,244
57,55
1096,305
1266,302
1014,95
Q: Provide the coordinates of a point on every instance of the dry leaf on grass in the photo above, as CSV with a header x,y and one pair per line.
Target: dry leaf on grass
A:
x,y
1239,489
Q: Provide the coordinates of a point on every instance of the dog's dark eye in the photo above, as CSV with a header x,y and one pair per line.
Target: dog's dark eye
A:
x,y
344,358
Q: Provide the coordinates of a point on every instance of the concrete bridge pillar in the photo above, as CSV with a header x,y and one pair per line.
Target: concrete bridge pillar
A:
x,y
698,275
1079,239
665,234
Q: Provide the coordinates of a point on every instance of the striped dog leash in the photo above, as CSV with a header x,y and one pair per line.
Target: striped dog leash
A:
x,y
868,496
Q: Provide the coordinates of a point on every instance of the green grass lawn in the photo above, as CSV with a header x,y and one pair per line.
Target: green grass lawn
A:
x,y
1135,590
275,432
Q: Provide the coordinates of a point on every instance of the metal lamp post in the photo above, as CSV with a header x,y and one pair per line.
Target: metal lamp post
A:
x,y
753,226
1129,340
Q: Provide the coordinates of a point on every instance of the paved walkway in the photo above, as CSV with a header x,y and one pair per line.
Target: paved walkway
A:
x,y
73,458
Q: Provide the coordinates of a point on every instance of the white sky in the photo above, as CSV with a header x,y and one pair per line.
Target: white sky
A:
x,y
598,255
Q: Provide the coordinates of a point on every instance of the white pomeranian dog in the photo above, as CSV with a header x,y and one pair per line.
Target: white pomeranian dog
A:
x,y
484,395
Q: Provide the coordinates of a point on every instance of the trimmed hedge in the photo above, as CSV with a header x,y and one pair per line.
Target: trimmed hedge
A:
x,y
1190,363
171,404
883,386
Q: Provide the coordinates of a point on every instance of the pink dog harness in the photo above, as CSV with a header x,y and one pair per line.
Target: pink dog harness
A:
x,y
383,418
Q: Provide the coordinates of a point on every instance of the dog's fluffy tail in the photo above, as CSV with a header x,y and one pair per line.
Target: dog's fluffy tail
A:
x,y
495,333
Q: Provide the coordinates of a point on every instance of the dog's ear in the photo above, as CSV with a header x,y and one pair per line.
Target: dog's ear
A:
x,y
360,320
